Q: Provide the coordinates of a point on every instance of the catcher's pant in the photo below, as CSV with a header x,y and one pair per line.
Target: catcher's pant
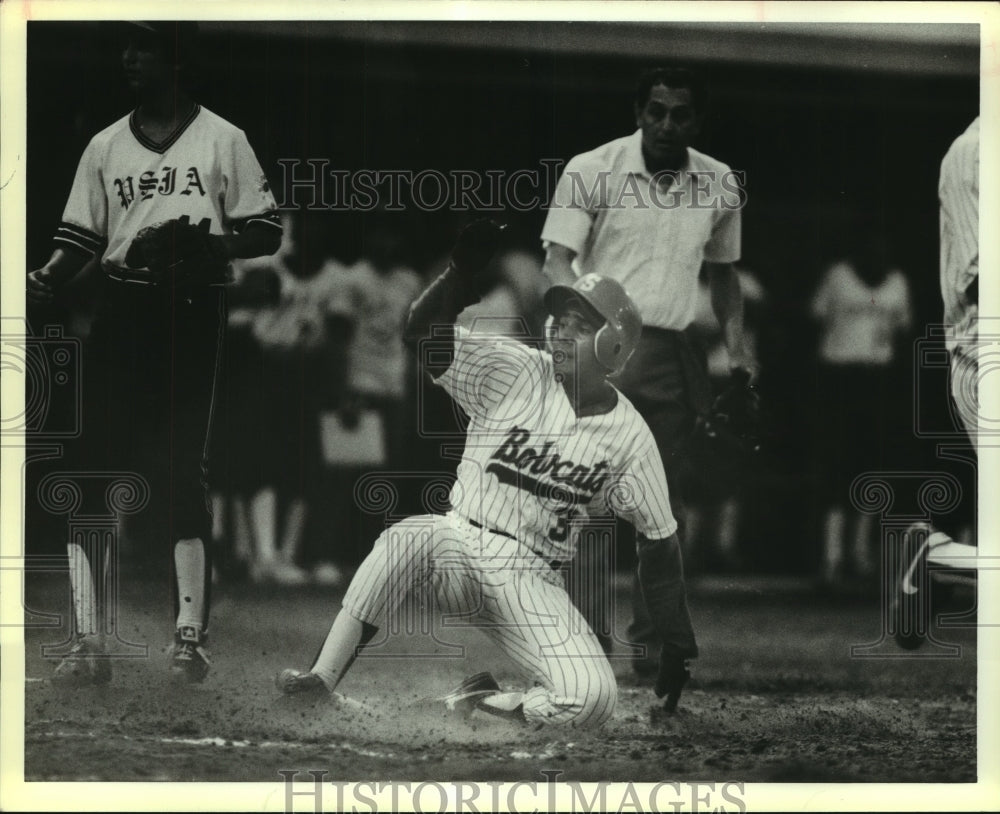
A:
x,y
492,582
150,373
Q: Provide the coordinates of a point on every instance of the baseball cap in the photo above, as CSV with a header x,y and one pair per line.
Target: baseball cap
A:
x,y
180,35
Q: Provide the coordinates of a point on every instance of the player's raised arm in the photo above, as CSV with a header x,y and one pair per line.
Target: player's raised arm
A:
x,y
456,288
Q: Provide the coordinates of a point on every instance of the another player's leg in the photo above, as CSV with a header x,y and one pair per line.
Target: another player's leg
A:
x,y
86,663
98,449
190,660
197,349
926,551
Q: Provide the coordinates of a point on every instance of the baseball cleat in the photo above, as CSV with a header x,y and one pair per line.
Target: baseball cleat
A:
x,y
86,664
673,675
467,695
189,662
295,682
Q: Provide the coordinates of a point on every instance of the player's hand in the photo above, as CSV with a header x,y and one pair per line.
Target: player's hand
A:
x,y
40,289
475,247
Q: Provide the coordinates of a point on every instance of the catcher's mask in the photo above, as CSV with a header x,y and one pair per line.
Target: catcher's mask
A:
x,y
616,339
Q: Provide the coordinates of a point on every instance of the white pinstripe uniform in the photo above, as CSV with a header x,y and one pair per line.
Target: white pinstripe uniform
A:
x,y
958,192
531,468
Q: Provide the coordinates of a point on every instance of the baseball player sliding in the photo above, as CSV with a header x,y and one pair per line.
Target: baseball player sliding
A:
x,y
549,442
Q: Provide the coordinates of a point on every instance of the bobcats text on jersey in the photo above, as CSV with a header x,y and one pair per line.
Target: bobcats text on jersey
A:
x,y
588,480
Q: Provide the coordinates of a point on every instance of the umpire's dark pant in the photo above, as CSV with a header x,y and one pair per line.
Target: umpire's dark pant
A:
x,y
149,382
667,381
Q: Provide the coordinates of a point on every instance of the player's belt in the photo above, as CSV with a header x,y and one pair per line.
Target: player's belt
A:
x,y
553,564
145,277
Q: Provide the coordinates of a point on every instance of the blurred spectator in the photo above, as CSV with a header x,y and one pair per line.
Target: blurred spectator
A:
x,y
236,451
370,425
302,353
864,311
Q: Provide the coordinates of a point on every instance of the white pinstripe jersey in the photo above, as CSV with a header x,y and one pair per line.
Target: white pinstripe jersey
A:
x,y
958,192
206,169
531,467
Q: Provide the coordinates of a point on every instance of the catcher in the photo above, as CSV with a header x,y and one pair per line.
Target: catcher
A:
x,y
165,197
550,441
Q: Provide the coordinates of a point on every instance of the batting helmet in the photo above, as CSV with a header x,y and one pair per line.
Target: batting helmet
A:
x,y
615,341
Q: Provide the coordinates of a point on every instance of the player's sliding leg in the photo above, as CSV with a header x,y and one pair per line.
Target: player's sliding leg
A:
x,y
401,558
532,619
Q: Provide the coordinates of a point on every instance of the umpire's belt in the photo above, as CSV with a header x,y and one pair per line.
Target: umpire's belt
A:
x,y
555,565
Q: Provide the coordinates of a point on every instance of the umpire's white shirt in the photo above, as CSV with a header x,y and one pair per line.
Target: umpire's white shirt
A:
x,y
650,237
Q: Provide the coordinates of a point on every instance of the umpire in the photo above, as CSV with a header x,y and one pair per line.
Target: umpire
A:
x,y
650,211
165,197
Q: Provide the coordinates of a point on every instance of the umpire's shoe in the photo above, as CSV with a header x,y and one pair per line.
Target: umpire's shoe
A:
x,y
86,664
189,662
467,696
674,673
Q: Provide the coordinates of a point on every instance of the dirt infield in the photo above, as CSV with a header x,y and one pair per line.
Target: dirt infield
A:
x,y
776,697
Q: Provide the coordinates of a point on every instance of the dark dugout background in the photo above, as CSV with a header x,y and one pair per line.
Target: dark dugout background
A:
x,y
837,127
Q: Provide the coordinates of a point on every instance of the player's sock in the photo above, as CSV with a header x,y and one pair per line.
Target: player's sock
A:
x,y
346,637
85,601
189,562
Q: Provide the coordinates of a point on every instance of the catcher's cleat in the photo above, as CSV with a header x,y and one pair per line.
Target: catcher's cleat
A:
x,y
189,662
467,696
295,682
911,608
86,664
673,675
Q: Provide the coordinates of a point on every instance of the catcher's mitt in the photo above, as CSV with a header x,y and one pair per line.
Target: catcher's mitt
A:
x,y
180,251
734,423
